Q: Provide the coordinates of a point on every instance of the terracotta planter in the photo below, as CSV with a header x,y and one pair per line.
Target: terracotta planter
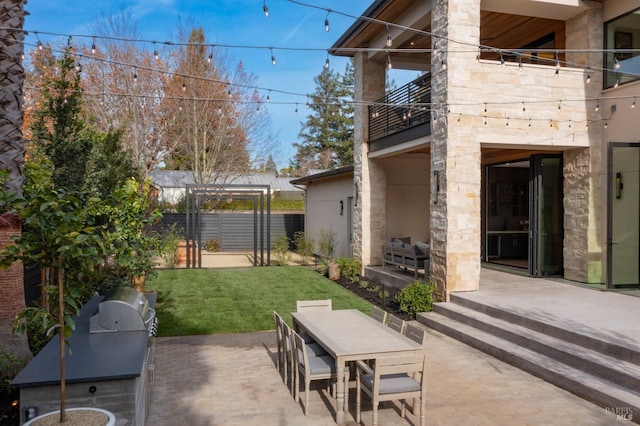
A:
x,y
334,271
76,417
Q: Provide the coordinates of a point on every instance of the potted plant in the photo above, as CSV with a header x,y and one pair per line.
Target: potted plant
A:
x,y
64,235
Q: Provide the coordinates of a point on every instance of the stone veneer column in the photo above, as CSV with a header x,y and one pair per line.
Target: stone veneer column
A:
x,y
369,178
455,152
585,169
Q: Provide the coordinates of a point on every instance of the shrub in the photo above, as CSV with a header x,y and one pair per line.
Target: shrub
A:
x,y
416,297
304,245
171,237
327,244
212,245
349,267
281,248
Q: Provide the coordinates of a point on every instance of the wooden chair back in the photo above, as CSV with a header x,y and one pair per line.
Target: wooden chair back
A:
x,y
379,314
313,305
415,333
396,323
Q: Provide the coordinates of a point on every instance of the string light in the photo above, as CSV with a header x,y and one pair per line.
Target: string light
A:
x,y
308,105
265,9
135,75
617,63
93,46
633,105
326,22
389,40
273,58
389,65
597,108
268,97
296,110
326,63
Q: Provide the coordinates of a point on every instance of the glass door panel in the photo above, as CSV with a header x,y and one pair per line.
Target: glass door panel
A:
x,y
546,213
623,248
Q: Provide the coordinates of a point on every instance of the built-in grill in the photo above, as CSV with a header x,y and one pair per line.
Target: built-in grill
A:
x,y
124,309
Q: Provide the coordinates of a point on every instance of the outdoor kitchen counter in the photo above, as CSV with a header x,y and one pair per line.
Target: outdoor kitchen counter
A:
x,y
90,357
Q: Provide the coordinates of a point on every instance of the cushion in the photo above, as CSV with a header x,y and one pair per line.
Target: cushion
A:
x,y
422,248
402,239
392,383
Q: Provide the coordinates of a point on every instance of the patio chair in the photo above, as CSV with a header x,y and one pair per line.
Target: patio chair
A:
x,y
313,305
391,379
379,314
279,341
314,368
287,354
415,333
396,323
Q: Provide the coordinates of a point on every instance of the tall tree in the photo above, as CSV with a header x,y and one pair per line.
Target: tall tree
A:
x,y
327,134
58,127
270,166
12,148
124,86
203,111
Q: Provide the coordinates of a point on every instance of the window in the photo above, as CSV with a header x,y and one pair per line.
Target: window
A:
x,y
621,36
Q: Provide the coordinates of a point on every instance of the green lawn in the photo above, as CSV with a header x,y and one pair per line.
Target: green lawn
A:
x,y
206,301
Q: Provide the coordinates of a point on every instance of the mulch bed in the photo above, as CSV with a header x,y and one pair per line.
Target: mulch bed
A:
x,y
373,292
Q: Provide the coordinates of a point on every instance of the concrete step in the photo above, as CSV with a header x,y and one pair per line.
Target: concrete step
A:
x,y
615,346
603,392
622,372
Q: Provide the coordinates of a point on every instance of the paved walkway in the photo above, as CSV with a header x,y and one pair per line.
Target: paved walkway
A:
x,y
232,380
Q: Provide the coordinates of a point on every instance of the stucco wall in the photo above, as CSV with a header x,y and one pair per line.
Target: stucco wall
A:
x,y
407,203
323,211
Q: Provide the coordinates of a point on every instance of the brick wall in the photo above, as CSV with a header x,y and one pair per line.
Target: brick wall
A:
x,y
11,292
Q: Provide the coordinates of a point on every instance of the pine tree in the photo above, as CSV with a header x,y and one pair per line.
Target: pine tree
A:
x,y
327,134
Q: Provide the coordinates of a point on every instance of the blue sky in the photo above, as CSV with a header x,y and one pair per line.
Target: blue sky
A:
x,y
230,22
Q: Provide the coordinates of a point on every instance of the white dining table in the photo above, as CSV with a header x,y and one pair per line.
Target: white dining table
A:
x,y
349,335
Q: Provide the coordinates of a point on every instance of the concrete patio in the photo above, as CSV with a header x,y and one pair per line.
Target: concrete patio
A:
x,y
232,379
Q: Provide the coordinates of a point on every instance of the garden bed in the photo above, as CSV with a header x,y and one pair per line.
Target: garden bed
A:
x,y
377,294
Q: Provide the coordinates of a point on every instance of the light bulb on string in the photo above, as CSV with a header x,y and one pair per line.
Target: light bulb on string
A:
x,y
135,75
93,46
389,64
273,58
268,97
597,108
326,63
78,67
617,63
633,105
184,86
308,104
443,62
296,110
326,22
22,55
606,125
389,40
265,9
588,75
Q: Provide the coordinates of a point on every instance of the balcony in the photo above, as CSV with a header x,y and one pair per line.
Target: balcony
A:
x,y
402,115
